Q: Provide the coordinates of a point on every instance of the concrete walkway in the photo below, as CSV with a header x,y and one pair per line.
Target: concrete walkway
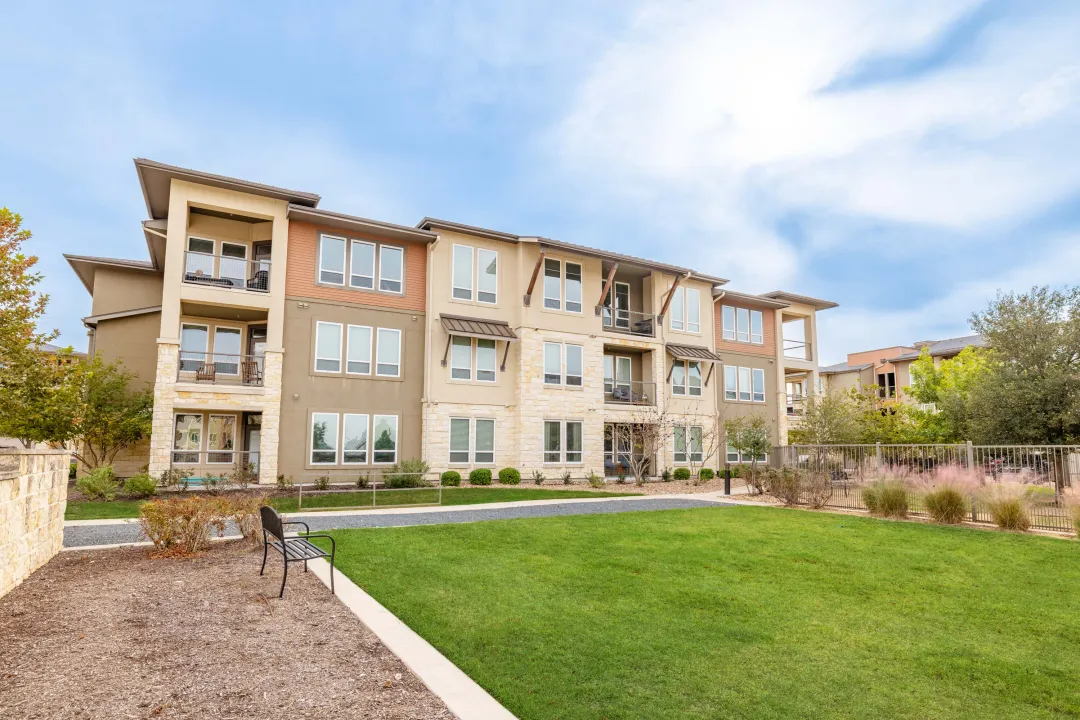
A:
x,y
86,533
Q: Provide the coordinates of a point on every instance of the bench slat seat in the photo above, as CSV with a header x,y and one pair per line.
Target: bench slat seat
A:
x,y
298,549
292,548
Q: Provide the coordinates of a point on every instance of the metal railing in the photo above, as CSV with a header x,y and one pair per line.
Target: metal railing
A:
x,y
630,393
797,349
796,403
226,272
225,466
630,322
220,368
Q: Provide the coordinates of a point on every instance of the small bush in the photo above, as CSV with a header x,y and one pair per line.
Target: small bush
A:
x,y
284,483
322,482
666,475
407,474
1009,505
363,481
140,485
566,477
215,484
99,484
816,488
947,505
886,498
620,475
243,509
537,477
175,478
509,476
595,480
783,484
181,526
681,473
480,476
243,474
706,474
73,470
451,478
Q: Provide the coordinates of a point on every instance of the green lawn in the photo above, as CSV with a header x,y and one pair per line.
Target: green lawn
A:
x,y
99,510
739,613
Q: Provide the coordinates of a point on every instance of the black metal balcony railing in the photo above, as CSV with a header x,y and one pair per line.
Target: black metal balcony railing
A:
x,y
220,368
632,393
631,322
226,272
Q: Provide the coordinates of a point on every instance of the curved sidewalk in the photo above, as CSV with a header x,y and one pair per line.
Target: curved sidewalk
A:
x,y
89,533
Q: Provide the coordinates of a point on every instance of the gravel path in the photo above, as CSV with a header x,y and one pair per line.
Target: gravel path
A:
x,y
83,535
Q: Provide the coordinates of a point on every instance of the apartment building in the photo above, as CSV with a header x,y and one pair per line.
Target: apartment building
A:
x,y
307,342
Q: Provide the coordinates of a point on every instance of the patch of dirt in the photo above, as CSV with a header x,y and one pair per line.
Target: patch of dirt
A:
x,y
114,634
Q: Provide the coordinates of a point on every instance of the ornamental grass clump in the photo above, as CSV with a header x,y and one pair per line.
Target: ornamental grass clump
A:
x,y
947,493
1009,505
887,496
1071,499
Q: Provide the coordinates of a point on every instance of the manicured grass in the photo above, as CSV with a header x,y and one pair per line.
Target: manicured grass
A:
x,y
98,510
738,613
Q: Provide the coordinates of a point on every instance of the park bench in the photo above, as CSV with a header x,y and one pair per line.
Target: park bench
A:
x,y
292,549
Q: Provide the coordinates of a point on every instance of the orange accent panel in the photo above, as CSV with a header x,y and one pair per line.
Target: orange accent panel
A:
x,y
768,327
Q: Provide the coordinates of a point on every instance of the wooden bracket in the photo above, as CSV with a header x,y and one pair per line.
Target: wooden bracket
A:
x,y
532,281
506,353
712,366
607,288
670,295
449,339
669,372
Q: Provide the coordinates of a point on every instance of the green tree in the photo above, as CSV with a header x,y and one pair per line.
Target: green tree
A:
x,y
748,435
948,387
29,384
829,418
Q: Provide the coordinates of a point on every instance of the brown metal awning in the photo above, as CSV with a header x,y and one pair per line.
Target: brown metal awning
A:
x,y
475,327
691,352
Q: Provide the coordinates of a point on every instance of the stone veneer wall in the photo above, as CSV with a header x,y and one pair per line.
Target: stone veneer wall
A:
x,y
33,495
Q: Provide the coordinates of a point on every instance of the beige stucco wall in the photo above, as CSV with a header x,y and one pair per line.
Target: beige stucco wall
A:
x,y
33,495
775,393
116,290
132,341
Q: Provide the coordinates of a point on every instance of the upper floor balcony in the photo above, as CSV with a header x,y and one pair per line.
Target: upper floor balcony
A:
x,y
230,269
625,308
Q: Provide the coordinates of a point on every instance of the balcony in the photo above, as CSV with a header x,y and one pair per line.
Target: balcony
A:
x,y
797,350
630,393
796,404
224,271
629,322
220,369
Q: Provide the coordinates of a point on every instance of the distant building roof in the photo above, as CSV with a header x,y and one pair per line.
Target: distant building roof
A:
x,y
51,349
943,348
843,368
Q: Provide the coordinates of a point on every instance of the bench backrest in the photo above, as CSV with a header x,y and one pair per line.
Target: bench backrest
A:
x,y
271,522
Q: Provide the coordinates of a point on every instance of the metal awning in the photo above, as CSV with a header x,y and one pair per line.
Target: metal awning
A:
x,y
478,328
691,352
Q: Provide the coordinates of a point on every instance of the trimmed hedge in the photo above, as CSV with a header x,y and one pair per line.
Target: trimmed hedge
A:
x,y
681,473
480,476
451,478
509,476
706,474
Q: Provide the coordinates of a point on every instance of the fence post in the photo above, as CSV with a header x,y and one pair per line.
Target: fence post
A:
x,y
970,456
877,455
727,478
300,497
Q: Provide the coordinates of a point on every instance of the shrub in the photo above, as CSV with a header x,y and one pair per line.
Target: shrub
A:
x,y
509,476
538,477
99,484
362,481
681,473
1009,505
407,474
947,493
595,480
140,485
816,488
322,482
174,477
887,497
243,509
1071,500
783,484
620,474
566,477
215,484
480,476
666,475
451,478
73,470
706,474
284,483
243,474
182,525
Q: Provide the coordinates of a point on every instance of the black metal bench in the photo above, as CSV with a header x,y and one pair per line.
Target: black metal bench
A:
x,y
292,549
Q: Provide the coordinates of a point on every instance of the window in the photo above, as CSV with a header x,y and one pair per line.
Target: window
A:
x,y
388,353
354,434
744,384
462,272
332,260
485,360
759,385
559,435
199,260
220,436
479,434
742,316
697,452
384,430
731,382
686,378
358,356
678,378
756,333
574,364
728,314
459,440
733,456
679,435
574,442
552,285
694,376
573,287
391,268
461,358
693,310
188,437
484,444
324,438
227,350
886,385
362,267
487,273
193,340
552,364
552,441
232,265
678,310
327,347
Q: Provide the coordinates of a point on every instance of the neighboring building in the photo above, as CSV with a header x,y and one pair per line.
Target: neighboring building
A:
x,y
314,343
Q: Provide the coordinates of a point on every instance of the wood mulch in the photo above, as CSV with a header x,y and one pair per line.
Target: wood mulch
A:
x,y
115,634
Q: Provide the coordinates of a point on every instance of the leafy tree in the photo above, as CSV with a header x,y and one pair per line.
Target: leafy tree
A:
x,y
885,423
749,436
21,305
829,418
948,386
29,384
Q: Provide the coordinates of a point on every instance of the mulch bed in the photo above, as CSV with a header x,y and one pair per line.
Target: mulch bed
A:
x,y
114,634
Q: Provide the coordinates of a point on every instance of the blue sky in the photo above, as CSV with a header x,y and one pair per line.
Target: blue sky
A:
x,y
905,159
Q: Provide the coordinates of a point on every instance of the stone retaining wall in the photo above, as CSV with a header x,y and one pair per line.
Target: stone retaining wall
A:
x,y
33,495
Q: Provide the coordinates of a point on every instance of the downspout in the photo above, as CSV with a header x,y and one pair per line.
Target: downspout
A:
x,y
426,400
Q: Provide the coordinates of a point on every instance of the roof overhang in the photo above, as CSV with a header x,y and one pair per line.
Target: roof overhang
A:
x,y
687,273
749,299
434,224
815,303
86,266
477,328
93,320
846,369
692,353
356,224
156,181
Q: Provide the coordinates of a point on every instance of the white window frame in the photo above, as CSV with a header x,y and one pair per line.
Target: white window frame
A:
x,y
692,326
701,378
731,383
474,434
349,346
188,252
699,455
677,389
678,301
563,451
450,441
202,439
341,347
480,273
758,339
559,383
742,335
454,287
494,360
206,345
397,438
544,291
727,330
675,445
756,373
311,439
749,386
239,331
543,444
367,435
457,341
400,353
345,269
566,367
581,282
374,262
381,255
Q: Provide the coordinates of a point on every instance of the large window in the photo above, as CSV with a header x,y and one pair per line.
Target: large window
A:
x,y
384,433
354,439
743,325
552,441
358,356
332,260
200,257
552,284
562,281
756,332
193,339
388,353
362,268
227,350
727,312
220,437
686,378
759,384
744,384
472,438
685,310
485,360
391,269
575,360
697,449
677,310
552,363
679,440
487,276
573,287
324,430
327,347
462,272
187,438
461,358
564,364
731,382
678,377
563,441
734,456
